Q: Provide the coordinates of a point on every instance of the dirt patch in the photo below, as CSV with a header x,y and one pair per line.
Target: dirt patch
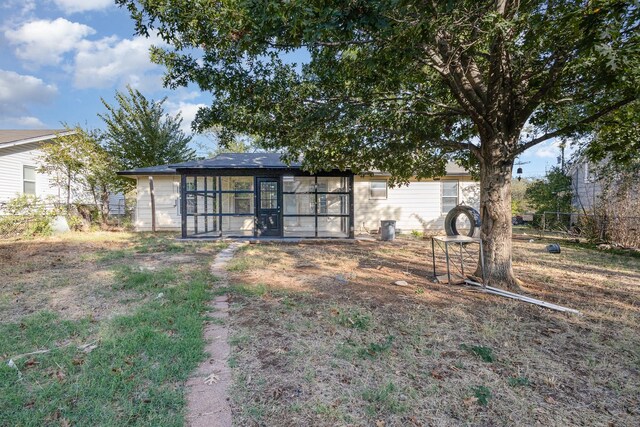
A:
x,y
322,336
75,275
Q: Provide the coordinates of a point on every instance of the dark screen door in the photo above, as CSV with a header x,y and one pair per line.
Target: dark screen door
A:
x,y
268,207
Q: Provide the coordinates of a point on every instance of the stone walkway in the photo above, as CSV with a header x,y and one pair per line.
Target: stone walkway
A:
x,y
207,390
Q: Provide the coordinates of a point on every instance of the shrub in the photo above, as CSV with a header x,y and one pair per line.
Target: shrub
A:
x,y
27,215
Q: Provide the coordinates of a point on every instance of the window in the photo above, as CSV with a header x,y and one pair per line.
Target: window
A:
x,y
378,189
449,195
589,175
29,179
242,201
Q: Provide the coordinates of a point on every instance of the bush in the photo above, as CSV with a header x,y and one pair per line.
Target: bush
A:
x,y
27,215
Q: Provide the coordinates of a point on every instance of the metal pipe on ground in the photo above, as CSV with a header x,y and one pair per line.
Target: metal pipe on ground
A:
x,y
512,295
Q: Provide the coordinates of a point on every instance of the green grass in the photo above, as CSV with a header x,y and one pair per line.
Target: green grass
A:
x,y
376,349
483,394
519,382
383,399
484,353
132,377
353,318
143,280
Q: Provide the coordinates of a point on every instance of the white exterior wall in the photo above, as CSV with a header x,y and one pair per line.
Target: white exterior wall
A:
x,y
167,192
417,206
414,207
12,160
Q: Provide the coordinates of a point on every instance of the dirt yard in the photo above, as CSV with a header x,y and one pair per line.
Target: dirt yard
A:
x,y
321,336
101,328
73,275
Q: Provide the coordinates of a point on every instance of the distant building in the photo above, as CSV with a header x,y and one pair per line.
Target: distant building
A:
x,y
586,185
20,151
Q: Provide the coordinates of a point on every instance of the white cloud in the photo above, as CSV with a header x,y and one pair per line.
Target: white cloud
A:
x,y
112,61
43,42
17,93
21,122
73,6
549,150
19,7
187,111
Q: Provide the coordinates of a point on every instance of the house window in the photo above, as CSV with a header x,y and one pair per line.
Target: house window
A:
x,y
378,189
587,176
449,195
29,180
242,201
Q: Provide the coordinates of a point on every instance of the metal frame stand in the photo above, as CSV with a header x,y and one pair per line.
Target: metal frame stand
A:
x,y
443,243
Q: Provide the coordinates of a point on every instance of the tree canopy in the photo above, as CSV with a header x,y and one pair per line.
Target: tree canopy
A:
x,y
139,133
616,140
402,85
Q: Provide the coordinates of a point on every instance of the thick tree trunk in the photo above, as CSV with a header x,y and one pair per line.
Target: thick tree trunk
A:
x,y
495,212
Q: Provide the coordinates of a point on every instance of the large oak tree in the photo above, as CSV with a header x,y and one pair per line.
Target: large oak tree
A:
x,y
403,86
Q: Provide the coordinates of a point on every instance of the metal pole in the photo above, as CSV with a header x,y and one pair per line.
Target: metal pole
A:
x,y
446,251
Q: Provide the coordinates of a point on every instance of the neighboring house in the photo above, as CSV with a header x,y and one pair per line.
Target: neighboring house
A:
x,y
20,152
585,185
258,195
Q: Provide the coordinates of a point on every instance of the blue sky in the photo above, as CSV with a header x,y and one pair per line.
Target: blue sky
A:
x,y
59,57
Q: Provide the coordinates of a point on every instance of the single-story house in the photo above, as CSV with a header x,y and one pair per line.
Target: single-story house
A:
x,y
256,194
19,163
20,153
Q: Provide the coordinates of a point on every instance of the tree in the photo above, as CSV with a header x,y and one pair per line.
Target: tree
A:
x,y
235,144
616,141
551,194
63,159
402,86
519,202
140,134
78,163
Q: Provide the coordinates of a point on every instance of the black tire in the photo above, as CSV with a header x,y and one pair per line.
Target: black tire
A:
x,y
473,216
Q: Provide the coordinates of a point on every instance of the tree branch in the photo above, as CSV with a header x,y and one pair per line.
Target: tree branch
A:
x,y
575,125
552,77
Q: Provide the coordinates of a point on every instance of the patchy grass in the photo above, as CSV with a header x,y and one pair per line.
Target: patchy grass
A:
x,y
321,336
104,368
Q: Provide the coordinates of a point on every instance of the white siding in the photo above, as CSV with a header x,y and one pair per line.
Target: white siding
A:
x,y
12,160
416,206
586,187
167,191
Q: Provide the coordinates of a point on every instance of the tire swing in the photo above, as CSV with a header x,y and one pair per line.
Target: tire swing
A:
x,y
472,215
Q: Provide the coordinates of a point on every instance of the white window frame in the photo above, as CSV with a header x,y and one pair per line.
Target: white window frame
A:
x,y
371,189
442,196
34,181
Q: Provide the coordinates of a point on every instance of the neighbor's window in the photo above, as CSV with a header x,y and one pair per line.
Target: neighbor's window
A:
x,y
378,190
242,201
29,179
449,195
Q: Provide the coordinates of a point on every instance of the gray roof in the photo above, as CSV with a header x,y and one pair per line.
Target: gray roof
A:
x,y
151,170
246,161
8,136
239,161
221,161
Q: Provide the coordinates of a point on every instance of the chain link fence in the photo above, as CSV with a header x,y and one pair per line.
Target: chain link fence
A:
x,y
619,230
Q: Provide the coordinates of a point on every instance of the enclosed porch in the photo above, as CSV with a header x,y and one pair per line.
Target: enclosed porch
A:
x,y
265,203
